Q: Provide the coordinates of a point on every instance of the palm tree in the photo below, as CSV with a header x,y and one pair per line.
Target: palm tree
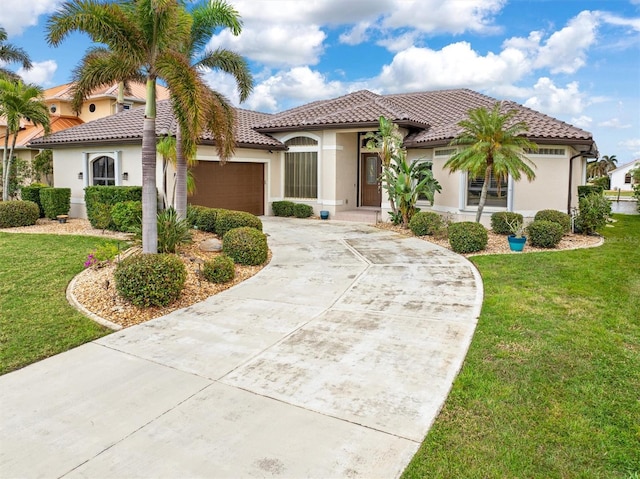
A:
x,y
609,163
11,54
494,146
18,101
141,36
207,19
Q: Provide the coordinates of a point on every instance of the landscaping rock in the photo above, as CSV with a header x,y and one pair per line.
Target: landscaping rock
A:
x,y
211,245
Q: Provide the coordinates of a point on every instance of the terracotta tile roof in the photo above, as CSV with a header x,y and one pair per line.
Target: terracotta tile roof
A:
x,y
126,127
433,116
58,123
360,108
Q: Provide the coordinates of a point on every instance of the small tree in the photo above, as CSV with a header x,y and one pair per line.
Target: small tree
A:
x,y
493,146
404,182
18,101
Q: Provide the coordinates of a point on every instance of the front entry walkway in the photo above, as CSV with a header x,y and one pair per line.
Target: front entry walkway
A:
x,y
333,361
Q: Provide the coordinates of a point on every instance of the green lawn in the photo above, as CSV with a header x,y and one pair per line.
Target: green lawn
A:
x,y
551,385
35,319
622,193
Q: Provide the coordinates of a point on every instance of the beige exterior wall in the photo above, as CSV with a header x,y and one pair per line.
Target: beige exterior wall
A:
x,y
549,190
68,163
347,170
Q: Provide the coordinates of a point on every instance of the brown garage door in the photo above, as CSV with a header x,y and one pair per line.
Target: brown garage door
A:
x,y
234,186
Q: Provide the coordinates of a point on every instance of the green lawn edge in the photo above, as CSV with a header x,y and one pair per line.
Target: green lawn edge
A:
x,y
550,385
36,321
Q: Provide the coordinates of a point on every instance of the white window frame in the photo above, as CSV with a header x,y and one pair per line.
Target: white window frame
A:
x,y
317,148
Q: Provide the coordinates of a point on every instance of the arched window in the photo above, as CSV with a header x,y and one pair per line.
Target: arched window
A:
x,y
103,171
301,168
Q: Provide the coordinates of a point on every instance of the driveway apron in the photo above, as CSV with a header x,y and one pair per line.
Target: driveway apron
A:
x,y
333,361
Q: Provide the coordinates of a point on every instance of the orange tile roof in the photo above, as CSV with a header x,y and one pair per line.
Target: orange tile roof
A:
x,y
137,91
58,123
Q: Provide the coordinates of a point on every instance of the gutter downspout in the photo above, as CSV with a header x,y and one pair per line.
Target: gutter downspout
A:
x,y
587,154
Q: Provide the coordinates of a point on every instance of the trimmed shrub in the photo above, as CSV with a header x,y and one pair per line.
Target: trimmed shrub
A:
x,y
594,212
586,190
220,269
555,216
150,279
426,223
545,234
301,210
172,231
18,213
283,208
467,237
32,193
55,201
228,219
127,216
205,218
193,212
500,221
107,195
245,245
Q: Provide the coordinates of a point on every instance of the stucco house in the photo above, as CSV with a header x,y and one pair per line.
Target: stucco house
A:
x,y
100,103
621,178
316,154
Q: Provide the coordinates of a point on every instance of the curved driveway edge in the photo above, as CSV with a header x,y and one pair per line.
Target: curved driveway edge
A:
x,y
333,361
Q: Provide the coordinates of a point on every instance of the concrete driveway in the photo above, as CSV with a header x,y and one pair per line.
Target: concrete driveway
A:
x,y
331,362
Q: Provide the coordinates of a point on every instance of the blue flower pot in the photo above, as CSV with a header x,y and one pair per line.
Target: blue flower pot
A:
x,y
516,244
324,215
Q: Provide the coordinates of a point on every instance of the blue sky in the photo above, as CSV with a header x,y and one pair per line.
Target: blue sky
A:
x,y
576,60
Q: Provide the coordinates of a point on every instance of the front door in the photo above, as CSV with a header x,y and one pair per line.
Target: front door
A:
x,y
370,171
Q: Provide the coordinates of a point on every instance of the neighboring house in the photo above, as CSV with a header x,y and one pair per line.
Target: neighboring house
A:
x,y
101,103
621,178
316,154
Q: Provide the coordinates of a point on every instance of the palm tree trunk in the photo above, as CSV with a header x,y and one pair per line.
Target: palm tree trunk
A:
x,y
181,178
149,193
7,171
483,193
5,167
120,100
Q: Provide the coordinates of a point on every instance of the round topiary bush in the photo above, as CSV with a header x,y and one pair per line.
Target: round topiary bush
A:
x,y
283,208
220,269
563,219
227,220
18,213
301,210
467,237
150,279
245,245
544,234
500,221
426,223
127,216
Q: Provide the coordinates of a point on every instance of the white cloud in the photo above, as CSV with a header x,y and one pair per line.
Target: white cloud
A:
x,y
557,101
565,50
295,86
582,121
276,45
452,16
634,23
455,66
632,145
614,123
24,13
357,34
40,74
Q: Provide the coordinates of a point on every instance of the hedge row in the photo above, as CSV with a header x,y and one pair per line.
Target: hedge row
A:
x,y
289,208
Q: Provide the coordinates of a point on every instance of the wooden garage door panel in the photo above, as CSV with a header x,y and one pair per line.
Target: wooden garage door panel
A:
x,y
234,186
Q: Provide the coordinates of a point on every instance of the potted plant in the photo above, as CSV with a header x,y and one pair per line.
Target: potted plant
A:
x,y
516,238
